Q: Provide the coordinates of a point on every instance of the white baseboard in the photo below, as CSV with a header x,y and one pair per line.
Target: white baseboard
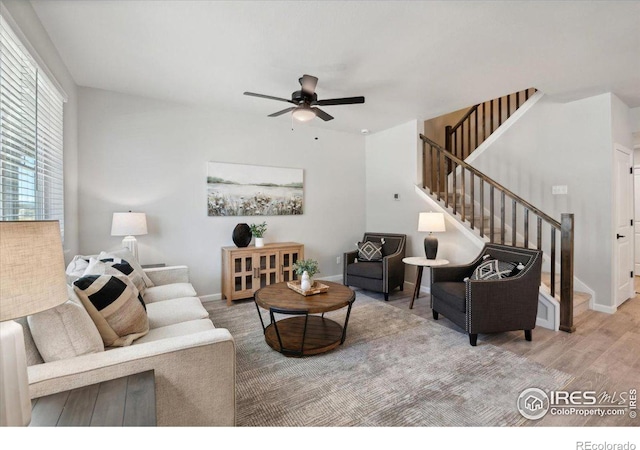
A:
x,y
604,308
334,278
409,286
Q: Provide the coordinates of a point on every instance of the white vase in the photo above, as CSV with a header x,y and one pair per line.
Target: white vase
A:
x,y
259,242
305,281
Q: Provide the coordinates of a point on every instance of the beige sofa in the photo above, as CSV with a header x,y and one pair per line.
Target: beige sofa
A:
x,y
194,362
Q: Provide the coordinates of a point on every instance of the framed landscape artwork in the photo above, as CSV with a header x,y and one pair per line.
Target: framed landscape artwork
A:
x,y
247,190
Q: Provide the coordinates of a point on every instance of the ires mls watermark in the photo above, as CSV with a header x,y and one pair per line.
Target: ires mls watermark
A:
x,y
534,403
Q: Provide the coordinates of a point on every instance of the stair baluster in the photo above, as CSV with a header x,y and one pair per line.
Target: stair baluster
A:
x,y
450,164
491,119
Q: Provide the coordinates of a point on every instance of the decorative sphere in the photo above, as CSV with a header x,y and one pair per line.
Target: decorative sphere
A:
x,y
241,235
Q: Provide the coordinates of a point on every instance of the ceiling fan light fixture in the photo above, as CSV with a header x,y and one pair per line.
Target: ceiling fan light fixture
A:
x,y
303,113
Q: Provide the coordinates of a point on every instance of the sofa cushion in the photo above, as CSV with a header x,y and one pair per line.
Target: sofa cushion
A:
x,y
175,310
125,254
64,332
113,304
168,292
177,329
451,292
366,270
369,251
116,266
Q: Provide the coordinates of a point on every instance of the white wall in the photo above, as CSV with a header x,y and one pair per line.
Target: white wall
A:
x,y
150,156
565,144
634,120
21,13
392,167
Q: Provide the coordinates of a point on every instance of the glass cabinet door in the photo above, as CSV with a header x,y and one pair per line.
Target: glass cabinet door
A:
x,y
243,275
267,268
287,259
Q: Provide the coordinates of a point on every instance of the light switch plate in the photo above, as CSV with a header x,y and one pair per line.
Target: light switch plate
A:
x,y
559,190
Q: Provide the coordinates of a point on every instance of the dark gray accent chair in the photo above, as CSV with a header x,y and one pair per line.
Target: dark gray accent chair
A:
x,y
378,276
489,306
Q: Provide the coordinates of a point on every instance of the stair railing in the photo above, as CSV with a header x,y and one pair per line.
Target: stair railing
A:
x,y
480,121
443,168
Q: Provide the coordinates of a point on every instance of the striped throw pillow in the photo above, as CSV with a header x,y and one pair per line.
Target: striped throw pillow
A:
x,y
116,266
113,304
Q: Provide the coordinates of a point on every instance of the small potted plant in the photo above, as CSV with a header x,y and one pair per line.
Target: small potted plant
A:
x,y
306,269
258,230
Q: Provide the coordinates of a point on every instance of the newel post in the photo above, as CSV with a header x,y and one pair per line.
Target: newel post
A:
x,y
566,273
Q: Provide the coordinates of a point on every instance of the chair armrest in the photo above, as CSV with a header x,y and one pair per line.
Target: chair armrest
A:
x,y
393,269
167,275
451,273
349,257
502,305
394,260
194,376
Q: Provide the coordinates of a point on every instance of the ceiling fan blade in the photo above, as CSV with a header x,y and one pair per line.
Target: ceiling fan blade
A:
x,y
321,114
253,94
279,113
308,83
340,101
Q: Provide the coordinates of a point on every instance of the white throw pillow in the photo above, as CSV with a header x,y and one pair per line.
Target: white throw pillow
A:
x,y
125,254
76,268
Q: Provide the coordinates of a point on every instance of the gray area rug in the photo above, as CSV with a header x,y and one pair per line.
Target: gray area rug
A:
x,y
394,369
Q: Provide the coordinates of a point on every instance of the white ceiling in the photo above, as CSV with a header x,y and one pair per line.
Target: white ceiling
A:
x,y
416,59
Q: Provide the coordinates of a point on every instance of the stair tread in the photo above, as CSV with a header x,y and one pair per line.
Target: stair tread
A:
x,y
579,297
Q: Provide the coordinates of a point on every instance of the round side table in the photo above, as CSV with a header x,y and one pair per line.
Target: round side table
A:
x,y
421,262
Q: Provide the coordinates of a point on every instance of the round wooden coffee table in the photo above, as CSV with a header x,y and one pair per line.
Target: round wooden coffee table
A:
x,y
304,333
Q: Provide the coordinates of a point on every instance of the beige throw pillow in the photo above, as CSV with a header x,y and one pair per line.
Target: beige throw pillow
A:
x,y
114,304
64,332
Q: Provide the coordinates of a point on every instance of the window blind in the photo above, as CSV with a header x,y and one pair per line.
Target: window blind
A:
x,y
31,129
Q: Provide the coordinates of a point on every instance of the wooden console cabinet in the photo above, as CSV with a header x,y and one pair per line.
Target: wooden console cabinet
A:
x,y
247,269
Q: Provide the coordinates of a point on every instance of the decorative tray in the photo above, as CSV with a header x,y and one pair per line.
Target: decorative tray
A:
x,y
317,288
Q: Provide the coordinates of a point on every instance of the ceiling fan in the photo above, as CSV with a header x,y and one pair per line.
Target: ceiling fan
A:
x,y
306,101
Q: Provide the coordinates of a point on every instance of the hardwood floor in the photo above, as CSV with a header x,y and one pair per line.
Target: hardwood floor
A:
x,y
602,355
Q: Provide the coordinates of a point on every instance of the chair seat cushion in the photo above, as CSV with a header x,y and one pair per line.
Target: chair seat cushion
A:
x,y
450,292
176,310
366,270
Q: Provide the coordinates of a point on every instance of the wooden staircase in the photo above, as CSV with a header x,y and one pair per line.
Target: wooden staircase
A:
x,y
482,221
498,215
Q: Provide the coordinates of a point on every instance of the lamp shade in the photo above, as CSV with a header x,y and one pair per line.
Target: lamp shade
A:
x,y
431,222
128,224
32,269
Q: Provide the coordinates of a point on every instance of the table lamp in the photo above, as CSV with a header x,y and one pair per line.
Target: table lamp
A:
x,y
129,224
431,222
32,279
